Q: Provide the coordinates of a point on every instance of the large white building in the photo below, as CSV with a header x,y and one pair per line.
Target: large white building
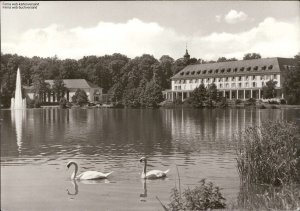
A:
x,y
242,79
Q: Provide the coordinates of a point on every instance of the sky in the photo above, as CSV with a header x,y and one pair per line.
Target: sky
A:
x,y
209,29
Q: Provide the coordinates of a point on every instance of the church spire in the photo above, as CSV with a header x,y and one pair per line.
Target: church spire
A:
x,y
186,55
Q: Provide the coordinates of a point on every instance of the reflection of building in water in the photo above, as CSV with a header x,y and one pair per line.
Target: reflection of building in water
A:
x,y
214,125
18,117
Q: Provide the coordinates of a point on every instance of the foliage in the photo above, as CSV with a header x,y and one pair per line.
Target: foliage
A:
x,y
238,101
269,154
251,101
223,102
199,96
202,197
257,197
63,102
224,59
59,88
80,97
291,83
269,89
249,56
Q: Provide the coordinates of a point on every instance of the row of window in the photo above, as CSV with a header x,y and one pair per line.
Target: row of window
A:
x,y
228,70
237,78
232,85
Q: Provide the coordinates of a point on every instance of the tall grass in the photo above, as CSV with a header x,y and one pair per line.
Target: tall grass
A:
x,y
269,154
253,197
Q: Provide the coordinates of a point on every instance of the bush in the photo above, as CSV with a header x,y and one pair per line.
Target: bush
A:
x,y
262,106
251,101
274,102
238,101
269,154
223,103
282,101
203,197
274,107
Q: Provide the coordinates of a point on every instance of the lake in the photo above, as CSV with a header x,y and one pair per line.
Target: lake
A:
x,y
36,145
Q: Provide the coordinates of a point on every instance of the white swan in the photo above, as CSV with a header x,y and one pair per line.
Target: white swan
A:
x,y
153,174
87,175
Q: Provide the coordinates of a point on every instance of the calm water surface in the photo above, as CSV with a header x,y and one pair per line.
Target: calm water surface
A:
x,y
36,144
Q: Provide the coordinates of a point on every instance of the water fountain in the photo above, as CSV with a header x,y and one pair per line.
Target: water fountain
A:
x,y
18,102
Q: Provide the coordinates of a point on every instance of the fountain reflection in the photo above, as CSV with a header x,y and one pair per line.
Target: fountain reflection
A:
x,y
143,196
18,117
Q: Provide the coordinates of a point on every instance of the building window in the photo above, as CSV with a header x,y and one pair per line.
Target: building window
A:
x,y
235,69
181,73
233,85
193,72
240,84
255,68
247,78
226,79
248,68
263,67
262,77
253,84
270,67
242,69
204,72
220,79
222,71
198,72
187,73
227,85
275,76
240,78
217,71
221,85
210,71
253,77
228,70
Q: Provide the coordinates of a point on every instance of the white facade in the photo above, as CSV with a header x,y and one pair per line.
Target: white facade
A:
x,y
236,79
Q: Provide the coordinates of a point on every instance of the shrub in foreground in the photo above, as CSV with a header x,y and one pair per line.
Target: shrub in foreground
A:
x,y
203,197
269,154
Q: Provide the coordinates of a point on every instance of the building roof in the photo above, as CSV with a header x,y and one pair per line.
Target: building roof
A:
x,y
71,84
75,83
242,67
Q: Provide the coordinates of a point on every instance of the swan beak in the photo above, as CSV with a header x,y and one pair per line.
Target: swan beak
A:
x,y
68,165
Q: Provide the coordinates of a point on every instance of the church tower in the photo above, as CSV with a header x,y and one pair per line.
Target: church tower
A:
x,y
186,56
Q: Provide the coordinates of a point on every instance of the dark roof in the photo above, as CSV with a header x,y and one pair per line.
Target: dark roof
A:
x,y
75,84
268,65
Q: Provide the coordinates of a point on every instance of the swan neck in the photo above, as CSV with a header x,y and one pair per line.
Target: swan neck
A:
x,y
75,171
145,166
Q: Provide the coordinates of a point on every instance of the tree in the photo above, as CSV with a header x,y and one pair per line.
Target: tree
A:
x,y
152,95
269,90
59,88
223,59
80,97
291,84
249,56
199,96
212,92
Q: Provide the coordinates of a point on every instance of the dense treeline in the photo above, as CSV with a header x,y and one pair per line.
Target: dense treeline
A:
x,y
133,82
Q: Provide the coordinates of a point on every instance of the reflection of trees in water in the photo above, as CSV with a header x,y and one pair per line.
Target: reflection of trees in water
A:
x,y
122,131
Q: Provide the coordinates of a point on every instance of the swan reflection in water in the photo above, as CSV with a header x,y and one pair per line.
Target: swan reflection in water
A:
x,y
143,196
75,191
